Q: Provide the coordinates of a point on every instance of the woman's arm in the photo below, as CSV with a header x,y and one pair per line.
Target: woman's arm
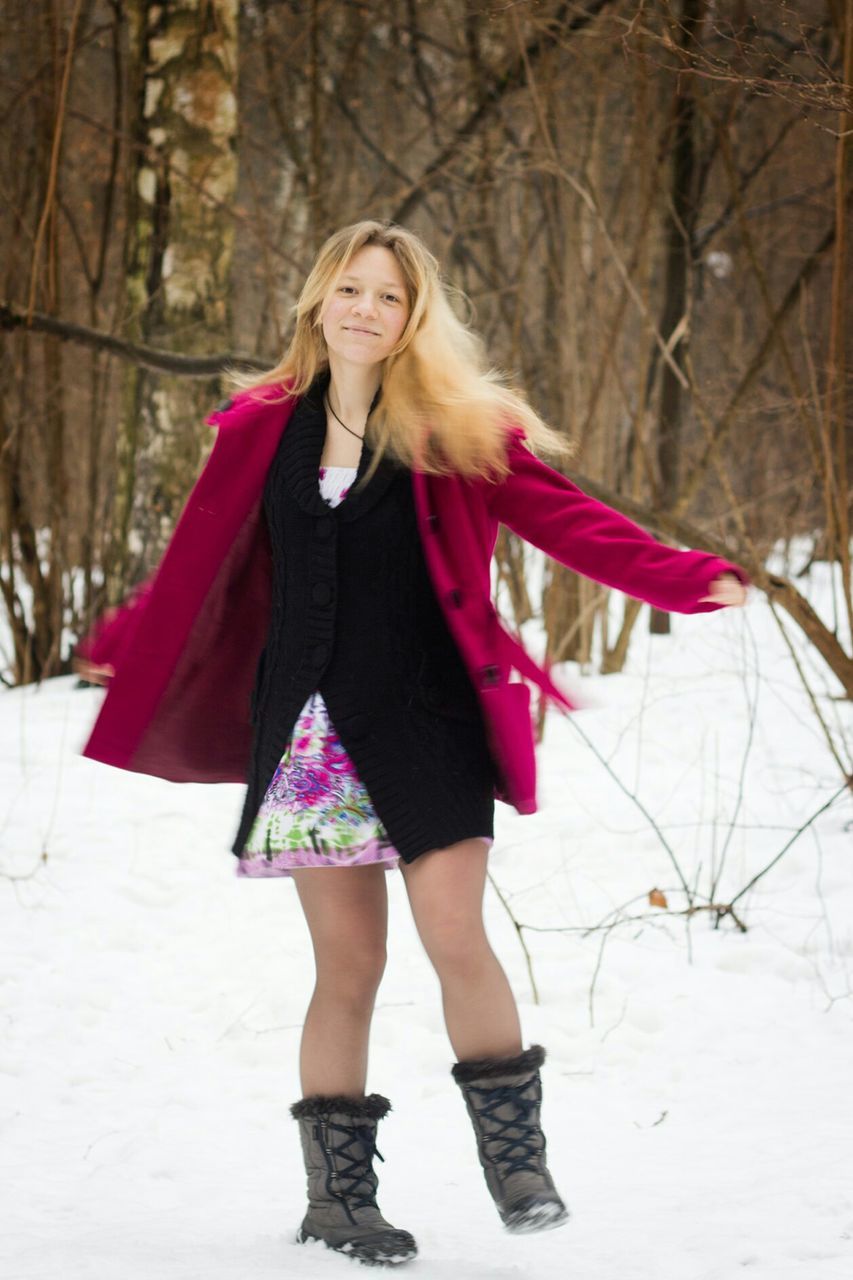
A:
x,y
552,513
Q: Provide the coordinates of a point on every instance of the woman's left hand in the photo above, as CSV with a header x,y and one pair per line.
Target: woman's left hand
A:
x,y
726,589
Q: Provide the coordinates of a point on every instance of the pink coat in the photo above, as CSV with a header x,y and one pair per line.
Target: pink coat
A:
x,y
186,644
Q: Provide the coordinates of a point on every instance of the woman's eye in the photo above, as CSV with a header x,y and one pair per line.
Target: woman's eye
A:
x,y
350,288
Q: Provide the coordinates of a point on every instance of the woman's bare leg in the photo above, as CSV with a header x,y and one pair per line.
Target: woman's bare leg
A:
x,y
445,888
346,909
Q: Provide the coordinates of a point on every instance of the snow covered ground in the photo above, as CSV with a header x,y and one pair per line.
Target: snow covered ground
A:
x,y
698,1091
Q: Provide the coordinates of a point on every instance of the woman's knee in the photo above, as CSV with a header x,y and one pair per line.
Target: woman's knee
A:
x,y
457,947
453,934
352,965
445,889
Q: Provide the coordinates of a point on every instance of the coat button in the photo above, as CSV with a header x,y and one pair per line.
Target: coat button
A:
x,y
321,593
319,654
433,522
454,598
324,526
489,676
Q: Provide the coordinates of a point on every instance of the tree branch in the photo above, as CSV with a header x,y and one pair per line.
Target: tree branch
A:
x,y
513,77
138,353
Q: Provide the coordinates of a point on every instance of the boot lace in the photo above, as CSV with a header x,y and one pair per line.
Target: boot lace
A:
x,y
349,1150
515,1140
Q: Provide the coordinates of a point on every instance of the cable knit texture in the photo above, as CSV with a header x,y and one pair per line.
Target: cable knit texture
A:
x,y
354,614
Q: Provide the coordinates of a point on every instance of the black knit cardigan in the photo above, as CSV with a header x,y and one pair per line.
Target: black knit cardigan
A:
x,y
354,614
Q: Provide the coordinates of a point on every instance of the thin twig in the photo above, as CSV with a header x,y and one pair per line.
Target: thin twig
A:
x,y
842,790
635,800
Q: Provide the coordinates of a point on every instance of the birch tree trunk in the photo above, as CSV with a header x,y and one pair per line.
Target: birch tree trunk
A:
x,y
181,179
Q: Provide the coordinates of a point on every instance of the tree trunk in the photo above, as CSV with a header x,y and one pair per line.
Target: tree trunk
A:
x,y
182,177
679,236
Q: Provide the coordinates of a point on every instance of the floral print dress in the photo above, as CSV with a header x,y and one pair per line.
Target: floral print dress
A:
x,y
316,811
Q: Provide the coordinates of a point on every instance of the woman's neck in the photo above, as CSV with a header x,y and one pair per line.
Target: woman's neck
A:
x,y
352,389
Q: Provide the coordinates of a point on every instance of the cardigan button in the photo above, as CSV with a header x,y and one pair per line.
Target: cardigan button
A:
x,y
454,598
489,676
321,593
324,526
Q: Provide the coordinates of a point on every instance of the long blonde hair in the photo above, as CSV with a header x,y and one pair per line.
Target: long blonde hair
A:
x,y
443,408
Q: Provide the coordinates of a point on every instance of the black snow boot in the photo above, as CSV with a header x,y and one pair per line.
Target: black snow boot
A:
x,y
339,1141
503,1097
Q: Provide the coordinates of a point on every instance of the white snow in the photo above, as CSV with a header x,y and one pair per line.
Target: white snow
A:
x,y
698,1091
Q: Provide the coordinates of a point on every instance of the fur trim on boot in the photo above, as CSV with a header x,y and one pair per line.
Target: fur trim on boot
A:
x,y
338,1135
528,1060
371,1107
503,1097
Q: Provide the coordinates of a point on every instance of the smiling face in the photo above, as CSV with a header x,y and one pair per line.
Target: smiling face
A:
x,y
366,312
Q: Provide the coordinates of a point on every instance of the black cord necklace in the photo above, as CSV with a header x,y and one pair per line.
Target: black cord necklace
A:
x,y
343,424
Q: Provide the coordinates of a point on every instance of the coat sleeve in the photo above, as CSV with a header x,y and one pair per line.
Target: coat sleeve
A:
x,y
111,633
550,512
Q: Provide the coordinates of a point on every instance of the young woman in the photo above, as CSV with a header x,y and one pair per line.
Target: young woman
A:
x,y
321,625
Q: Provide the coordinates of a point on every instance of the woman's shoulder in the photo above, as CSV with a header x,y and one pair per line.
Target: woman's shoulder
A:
x,y
242,406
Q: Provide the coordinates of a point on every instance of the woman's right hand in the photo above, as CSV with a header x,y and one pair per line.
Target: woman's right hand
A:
x,y
92,671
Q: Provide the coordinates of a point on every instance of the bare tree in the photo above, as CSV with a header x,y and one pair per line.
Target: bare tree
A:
x,y
646,207
181,177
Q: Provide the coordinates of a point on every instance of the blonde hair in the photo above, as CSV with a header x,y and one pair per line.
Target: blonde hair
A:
x,y
443,408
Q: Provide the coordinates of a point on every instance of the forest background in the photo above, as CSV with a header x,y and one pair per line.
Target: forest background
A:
x,y
644,206
645,210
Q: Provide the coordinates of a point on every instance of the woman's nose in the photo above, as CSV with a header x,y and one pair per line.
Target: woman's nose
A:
x,y
365,304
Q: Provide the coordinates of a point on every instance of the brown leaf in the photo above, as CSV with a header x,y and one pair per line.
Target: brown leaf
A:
x,y
657,898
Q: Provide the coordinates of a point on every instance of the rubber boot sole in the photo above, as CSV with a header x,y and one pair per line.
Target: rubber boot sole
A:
x,y
390,1254
535,1215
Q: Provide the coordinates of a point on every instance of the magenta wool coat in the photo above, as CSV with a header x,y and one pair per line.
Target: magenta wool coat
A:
x,y
185,646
